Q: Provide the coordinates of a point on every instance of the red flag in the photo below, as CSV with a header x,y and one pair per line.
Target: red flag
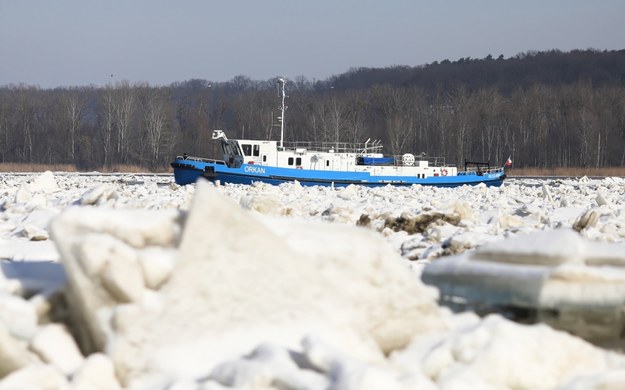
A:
x,y
509,162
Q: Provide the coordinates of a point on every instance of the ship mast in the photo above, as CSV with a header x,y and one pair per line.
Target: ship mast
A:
x,y
282,82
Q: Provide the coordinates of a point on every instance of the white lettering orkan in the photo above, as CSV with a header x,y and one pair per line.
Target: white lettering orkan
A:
x,y
252,169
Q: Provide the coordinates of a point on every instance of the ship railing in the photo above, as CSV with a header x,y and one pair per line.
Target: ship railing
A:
x,y
480,167
359,148
488,170
433,161
481,171
399,160
200,159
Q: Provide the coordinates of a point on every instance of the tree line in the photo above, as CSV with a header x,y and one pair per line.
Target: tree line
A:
x,y
546,109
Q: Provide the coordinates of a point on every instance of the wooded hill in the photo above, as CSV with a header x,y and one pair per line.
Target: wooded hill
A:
x,y
546,109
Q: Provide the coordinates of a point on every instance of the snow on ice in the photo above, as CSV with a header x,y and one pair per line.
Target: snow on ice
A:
x,y
122,281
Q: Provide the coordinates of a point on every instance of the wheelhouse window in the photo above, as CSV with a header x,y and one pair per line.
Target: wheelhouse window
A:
x,y
247,149
298,161
290,161
256,150
231,148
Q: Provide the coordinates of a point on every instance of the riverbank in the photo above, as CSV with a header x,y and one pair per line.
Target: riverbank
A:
x,y
512,172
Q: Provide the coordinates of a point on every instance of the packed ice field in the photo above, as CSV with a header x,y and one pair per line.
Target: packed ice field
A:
x,y
131,281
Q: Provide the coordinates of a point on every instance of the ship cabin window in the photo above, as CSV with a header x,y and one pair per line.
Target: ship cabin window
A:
x,y
247,149
256,150
290,161
230,148
327,163
264,158
298,161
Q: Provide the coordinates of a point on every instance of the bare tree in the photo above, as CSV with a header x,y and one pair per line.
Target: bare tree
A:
x,y
4,126
398,116
326,118
106,129
26,112
460,103
335,119
355,116
74,102
155,123
124,107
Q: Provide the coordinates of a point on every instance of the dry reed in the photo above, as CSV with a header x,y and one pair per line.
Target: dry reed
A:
x,y
567,171
18,167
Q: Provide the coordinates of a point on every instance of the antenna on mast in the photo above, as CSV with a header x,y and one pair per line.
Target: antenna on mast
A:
x,y
282,83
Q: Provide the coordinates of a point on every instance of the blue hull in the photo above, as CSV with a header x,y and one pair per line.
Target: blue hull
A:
x,y
238,178
188,171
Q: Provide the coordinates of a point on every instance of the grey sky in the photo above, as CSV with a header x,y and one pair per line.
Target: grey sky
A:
x,y
54,43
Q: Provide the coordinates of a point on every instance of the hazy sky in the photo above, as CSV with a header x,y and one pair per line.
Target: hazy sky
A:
x,y
80,42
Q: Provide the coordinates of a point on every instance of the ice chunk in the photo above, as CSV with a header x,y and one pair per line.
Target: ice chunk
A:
x,y
237,283
13,355
55,345
97,372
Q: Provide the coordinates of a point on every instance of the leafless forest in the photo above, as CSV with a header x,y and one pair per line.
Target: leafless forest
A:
x,y
546,109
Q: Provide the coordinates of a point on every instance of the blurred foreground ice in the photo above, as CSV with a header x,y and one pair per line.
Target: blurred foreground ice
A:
x,y
275,287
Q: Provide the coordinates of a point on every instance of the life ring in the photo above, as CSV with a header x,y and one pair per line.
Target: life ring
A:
x,y
444,172
298,167
408,159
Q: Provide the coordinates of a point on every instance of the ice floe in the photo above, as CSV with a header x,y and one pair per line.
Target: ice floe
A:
x,y
139,283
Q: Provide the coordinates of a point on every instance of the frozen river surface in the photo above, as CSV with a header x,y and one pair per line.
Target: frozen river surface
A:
x,y
286,286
